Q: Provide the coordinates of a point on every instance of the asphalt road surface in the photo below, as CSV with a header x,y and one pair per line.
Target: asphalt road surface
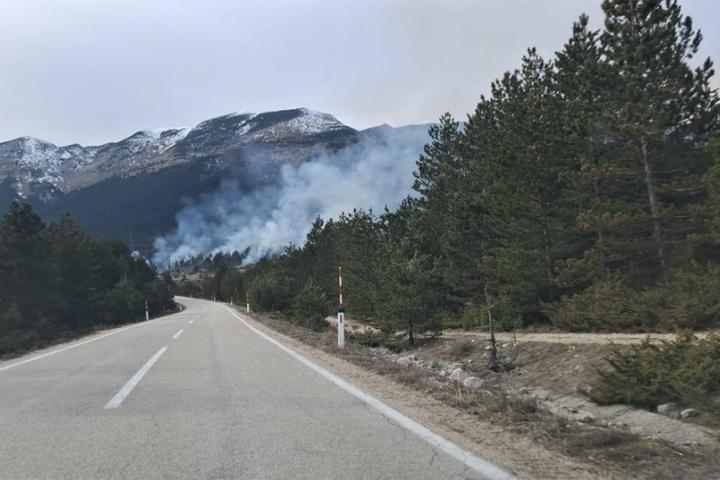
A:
x,y
200,394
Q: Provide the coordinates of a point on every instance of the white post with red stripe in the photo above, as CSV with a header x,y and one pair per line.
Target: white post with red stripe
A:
x,y
341,312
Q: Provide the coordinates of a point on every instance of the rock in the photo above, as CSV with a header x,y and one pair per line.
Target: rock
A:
x,y
666,408
473,383
404,362
457,365
689,412
586,418
541,394
458,375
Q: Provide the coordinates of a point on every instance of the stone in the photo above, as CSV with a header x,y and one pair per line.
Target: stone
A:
x,y
458,375
666,408
586,418
541,394
404,361
473,383
689,412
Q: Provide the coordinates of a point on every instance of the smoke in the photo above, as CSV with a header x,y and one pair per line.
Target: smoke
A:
x,y
374,173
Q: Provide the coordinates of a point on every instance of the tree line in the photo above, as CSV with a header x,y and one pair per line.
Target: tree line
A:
x,y
582,192
57,281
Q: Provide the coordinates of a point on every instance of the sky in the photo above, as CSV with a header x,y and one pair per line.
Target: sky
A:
x,y
93,71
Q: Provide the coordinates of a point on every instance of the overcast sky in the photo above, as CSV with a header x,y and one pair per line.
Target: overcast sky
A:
x,y
92,71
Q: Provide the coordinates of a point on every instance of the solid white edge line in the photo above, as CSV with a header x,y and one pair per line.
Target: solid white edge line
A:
x,y
467,458
119,397
175,337
69,347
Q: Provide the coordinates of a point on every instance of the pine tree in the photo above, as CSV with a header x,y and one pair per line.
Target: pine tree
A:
x,y
518,141
662,114
75,273
24,250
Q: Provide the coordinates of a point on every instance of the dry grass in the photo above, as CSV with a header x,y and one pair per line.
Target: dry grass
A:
x,y
461,349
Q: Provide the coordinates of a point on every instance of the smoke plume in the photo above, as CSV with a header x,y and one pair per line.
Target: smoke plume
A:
x,y
371,174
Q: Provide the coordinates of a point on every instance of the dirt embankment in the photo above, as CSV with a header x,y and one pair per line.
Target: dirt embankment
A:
x,y
508,419
562,378
574,338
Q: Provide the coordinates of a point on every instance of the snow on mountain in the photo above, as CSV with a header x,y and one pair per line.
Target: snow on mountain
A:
x,y
35,160
311,122
158,139
34,166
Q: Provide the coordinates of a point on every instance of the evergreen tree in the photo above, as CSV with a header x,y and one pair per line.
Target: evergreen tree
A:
x,y
660,118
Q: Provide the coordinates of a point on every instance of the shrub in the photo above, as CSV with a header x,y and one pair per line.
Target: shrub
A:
x,y
473,317
605,306
685,370
372,339
310,306
267,293
19,341
690,300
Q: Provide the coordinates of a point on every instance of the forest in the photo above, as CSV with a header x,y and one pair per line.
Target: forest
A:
x,y
582,194
57,282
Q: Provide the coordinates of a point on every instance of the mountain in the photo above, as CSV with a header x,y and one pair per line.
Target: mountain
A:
x,y
132,189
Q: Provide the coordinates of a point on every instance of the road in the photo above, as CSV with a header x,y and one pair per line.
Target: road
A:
x,y
201,394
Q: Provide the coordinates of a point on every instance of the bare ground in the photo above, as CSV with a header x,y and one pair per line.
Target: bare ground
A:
x,y
574,338
515,432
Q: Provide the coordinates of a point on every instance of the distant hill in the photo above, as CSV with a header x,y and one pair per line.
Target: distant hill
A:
x,y
132,189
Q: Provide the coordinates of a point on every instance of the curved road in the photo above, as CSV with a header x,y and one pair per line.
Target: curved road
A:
x,y
194,395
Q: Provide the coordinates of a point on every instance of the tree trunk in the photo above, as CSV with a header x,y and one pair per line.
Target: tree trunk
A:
x,y
596,184
493,342
548,257
654,206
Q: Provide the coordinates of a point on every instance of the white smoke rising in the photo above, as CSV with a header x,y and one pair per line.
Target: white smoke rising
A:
x,y
371,174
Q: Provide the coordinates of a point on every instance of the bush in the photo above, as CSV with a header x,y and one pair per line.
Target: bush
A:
x,y
310,307
605,306
473,317
691,301
267,293
19,341
685,370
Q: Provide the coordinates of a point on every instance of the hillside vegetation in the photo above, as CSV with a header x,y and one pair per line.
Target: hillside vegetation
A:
x,y
56,281
582,193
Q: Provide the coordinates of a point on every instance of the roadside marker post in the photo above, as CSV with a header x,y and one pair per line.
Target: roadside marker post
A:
x,y
341,311
247,302
147,312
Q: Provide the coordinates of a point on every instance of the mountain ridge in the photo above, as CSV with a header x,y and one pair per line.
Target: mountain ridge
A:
x,y
37,167
131,189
